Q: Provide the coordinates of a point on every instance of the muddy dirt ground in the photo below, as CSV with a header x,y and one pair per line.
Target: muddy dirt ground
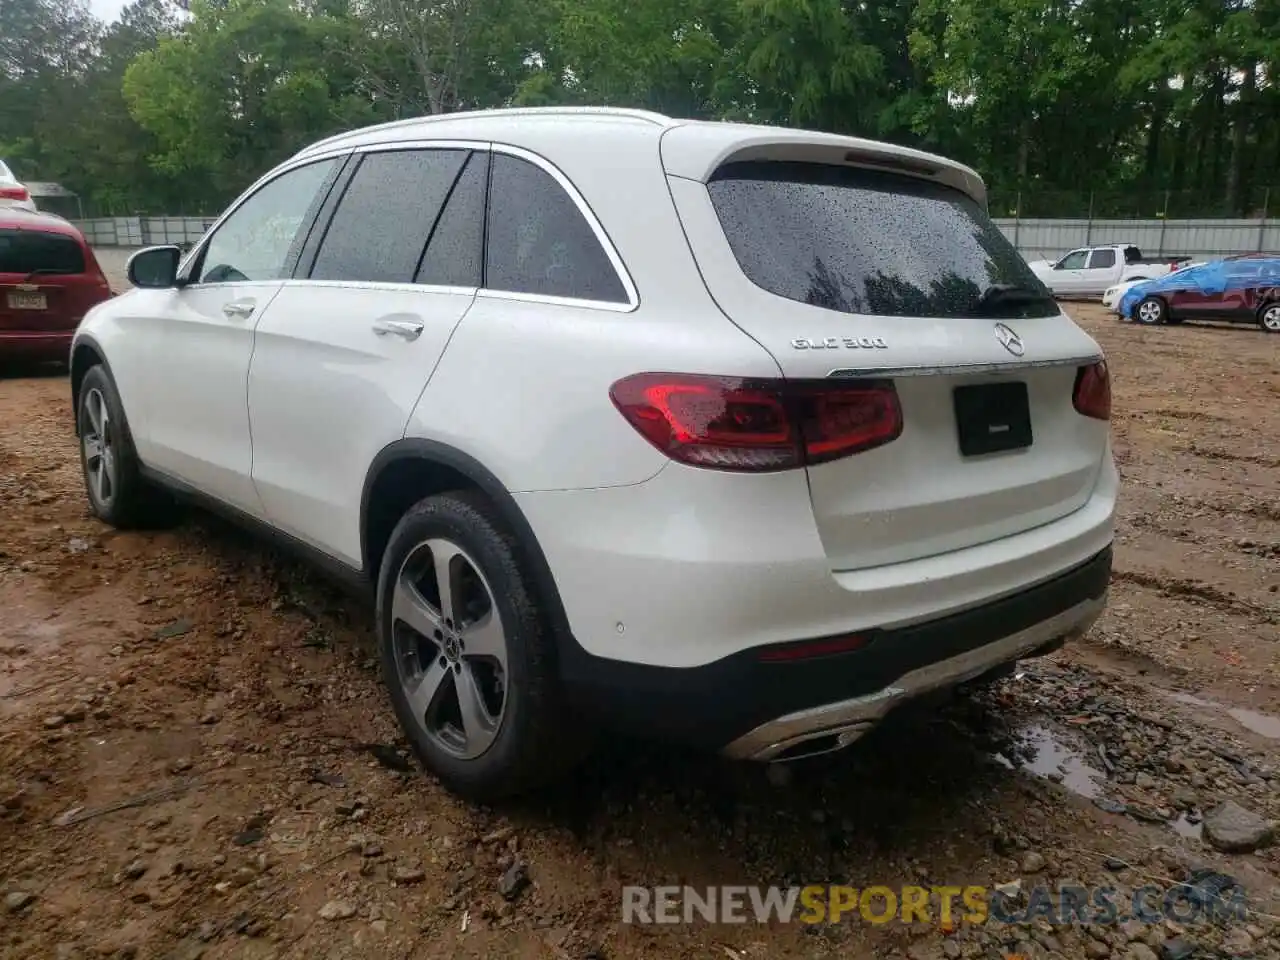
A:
x,y
196,756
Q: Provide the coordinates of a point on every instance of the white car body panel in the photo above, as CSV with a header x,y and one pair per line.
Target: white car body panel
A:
x,y
281,415
318,350
712,547
198,422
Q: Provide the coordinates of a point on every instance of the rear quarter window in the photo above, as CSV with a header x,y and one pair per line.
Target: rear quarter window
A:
x,y
29,251
538,240
866,242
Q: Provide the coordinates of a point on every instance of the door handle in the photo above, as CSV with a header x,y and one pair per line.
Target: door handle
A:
x,y
407,329
239,309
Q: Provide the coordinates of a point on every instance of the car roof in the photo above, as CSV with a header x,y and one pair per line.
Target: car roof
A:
x,y
16,218
693,149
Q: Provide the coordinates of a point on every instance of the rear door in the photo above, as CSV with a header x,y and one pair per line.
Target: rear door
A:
x,y
1219,290
344,351
1100,271
847,272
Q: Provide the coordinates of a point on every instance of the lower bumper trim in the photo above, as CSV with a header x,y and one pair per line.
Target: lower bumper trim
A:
x,y
846,720
747,706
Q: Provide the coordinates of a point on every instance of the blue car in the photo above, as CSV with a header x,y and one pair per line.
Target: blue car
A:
x,y
1243,289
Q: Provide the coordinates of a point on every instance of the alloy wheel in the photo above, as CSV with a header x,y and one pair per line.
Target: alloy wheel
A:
x,y
450,648
1149,311
1271,318
96,440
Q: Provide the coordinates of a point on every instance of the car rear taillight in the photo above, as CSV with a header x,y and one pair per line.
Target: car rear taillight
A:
x,y
729,423
1092,396
14,193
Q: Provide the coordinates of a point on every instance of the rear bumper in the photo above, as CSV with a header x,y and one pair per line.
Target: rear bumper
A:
x,y
23,345
756,710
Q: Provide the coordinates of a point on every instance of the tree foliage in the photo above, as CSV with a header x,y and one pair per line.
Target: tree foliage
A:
x,y
1046,98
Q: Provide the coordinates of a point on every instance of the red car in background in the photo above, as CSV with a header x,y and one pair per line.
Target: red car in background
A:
x,y
49,279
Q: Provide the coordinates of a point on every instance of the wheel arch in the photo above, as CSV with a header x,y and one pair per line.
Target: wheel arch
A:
x,y
86,353
407,470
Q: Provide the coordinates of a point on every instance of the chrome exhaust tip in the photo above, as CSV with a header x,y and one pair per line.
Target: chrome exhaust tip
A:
x,y
812,744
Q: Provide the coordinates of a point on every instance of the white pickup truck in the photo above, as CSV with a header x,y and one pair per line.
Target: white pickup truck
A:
x,y
1089,271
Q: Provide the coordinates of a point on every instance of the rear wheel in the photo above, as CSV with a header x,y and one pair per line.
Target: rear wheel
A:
x,y
467,658
113,481
1151,311
1269,317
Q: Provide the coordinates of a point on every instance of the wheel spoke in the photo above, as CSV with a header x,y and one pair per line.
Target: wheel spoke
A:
x,y
412,609
422,689
97,475
445,557
478,726
485,638
92,449
93,407
108,485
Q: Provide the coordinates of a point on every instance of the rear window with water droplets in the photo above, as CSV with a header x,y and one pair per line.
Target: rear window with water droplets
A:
x,y
866,241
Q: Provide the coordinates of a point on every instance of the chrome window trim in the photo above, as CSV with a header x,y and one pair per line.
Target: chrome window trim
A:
x,y
925,370
390,146
394,285
515,296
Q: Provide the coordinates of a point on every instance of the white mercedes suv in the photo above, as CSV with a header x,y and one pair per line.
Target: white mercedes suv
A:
x,y
734,435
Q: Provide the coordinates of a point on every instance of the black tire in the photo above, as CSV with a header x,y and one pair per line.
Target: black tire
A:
x,y
1155,310
1269,316
534,740
128,501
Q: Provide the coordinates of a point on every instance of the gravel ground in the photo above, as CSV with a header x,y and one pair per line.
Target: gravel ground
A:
x,y
196,757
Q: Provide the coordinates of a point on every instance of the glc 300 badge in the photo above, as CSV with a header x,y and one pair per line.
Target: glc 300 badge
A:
x,y
837,343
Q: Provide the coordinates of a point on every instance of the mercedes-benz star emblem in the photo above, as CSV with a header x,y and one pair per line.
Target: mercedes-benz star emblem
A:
x,y
1009,340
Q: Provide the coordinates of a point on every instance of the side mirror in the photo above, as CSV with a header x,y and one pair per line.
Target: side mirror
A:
x,y
155,268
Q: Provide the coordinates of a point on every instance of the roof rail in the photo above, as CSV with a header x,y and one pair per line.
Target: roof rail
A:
x,y
646,115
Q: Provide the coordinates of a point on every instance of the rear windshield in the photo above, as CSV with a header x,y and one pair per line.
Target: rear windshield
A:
x,y
869,242
28,251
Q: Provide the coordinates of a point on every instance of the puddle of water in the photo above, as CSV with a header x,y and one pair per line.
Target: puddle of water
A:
x,y
1263,724
1185,828
1052,758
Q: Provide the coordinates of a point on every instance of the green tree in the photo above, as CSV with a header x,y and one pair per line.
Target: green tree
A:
x,y
243,86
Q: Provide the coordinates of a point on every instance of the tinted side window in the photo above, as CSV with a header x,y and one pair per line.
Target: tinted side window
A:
x,y
456,250
862,241
385,217
539,242
258,239
1102,258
